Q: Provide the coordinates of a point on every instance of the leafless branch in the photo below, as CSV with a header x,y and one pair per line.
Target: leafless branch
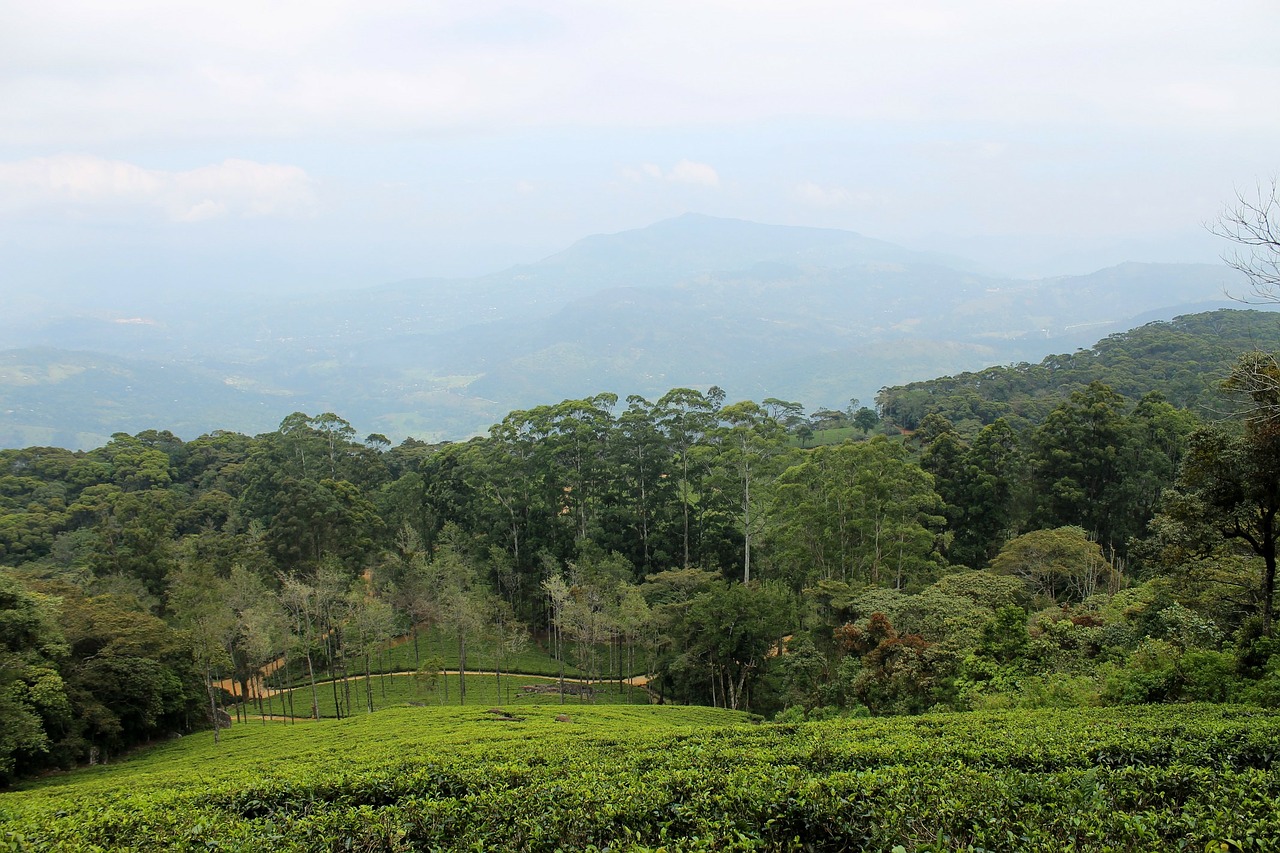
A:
x,y
1256,381
1252,223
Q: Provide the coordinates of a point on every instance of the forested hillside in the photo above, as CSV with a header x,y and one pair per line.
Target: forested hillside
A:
x,y
1184,359
1115,548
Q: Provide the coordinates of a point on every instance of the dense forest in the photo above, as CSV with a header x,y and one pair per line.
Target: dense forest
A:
x,y
1090,530
1184,359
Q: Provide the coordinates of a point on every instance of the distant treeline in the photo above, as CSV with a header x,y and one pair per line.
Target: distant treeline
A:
x,y
1093,546
1184,359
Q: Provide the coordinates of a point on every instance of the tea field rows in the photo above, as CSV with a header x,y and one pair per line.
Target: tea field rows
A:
x,y
659,777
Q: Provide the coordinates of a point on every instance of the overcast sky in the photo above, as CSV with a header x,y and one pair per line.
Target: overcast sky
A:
x,y
237,145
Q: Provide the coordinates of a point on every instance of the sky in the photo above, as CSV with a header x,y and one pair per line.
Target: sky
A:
x,y
176,148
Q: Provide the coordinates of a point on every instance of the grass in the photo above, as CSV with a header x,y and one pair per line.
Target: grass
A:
x,y
482,690
399,656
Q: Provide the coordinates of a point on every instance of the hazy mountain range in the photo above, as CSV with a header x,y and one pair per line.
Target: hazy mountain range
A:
x,y
811,315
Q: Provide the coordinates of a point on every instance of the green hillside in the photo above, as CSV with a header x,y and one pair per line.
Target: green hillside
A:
x,y
664,778
1184,359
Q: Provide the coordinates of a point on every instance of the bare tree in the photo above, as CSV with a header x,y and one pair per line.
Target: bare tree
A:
x,y
1252,223
300,600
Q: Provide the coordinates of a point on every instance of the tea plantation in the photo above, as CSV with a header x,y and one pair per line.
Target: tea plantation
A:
x,y
1192,777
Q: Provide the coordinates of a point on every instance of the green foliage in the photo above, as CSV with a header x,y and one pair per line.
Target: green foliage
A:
x,y
1004,638
979,483
681,779
1160,671
304,559
1229,489
986,589
1183,360
1056,565
860,513
1096,465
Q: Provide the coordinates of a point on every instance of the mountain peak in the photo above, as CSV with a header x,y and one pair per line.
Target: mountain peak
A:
x,y
694,244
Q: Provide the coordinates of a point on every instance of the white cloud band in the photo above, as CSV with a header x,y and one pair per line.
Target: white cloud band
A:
x,y
233,188
684,172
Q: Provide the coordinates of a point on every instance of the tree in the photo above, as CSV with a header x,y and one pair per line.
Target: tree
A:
x,y
130,677
577,435
301,601
134,535
732,628
643,460
685,416
859,513
409,579
865,419
370,623
32,695
332,583
1229,488
198,598
752,447
255,642
1075,462
979,485
557,592
634,620
1252,223
896,672
1061,564
462,600
510,639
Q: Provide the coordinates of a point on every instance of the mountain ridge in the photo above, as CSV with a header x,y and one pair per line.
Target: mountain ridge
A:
x,y
693,300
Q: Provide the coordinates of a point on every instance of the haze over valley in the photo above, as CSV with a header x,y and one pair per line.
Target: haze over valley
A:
x,y
814,315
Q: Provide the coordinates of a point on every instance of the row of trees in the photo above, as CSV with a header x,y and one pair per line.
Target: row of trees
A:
x,y
683,537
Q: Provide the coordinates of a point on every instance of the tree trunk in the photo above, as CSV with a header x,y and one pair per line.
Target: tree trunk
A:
x,y
560,656
684,485
213,704
333,681
746,520
462,668
315,694
1268,582
346,687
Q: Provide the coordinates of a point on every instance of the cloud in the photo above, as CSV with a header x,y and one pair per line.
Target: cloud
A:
x,y
81,184
820,196
689,172
81,72
683,172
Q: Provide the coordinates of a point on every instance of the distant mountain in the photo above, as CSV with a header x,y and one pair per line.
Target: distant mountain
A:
x,y
72,399
814,315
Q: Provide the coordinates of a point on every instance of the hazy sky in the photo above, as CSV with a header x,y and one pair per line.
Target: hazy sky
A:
x,y
236,145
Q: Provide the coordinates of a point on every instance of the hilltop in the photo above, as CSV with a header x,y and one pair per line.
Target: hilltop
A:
x,y
816,315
